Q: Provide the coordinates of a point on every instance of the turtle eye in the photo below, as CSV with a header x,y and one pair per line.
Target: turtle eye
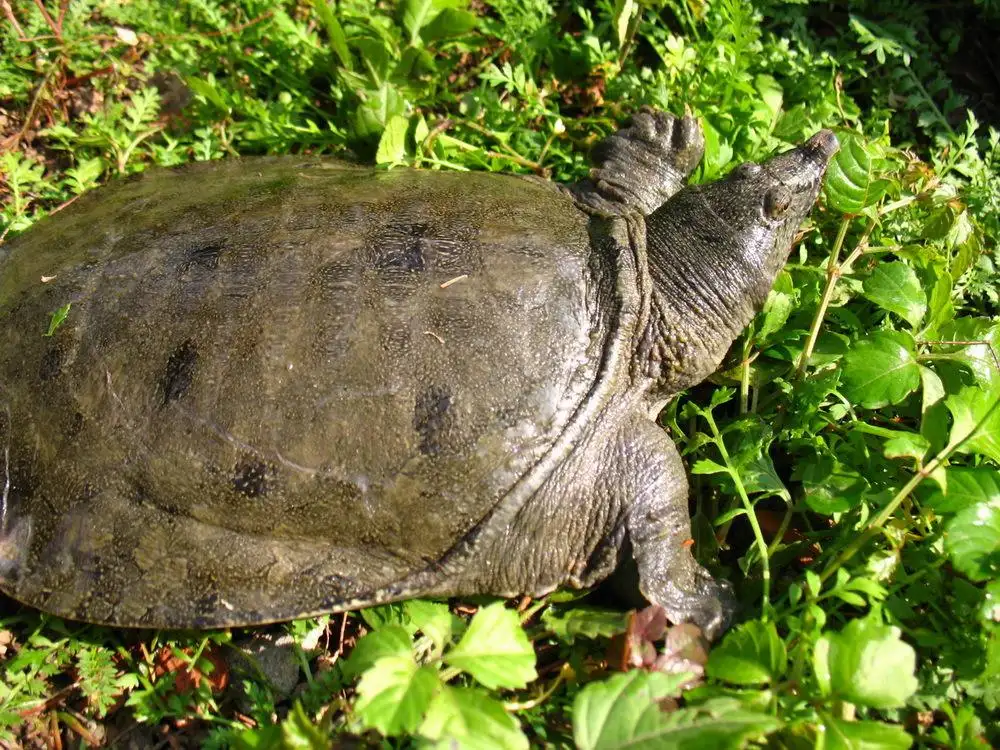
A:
x,y
776,201
748,169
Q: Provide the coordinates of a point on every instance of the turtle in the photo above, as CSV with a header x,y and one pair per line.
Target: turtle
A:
x,y
246,391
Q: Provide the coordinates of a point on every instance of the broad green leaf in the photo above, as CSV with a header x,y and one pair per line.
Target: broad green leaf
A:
x,y
895,287
416,13
433,619
495,649
394,693
390,640
967,487
933,413
751,654
976,416
449,23
392,144
979,351
582,621
906,445
378,107
338,40
622,712
470,718
972,539
852,182
830,486
940,309
863,735
881,369
866,663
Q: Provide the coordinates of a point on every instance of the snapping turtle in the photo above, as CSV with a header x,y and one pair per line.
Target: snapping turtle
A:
x,y
288,386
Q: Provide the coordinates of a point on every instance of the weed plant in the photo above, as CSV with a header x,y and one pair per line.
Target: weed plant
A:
x,y
845,458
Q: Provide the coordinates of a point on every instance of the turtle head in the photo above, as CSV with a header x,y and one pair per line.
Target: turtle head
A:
x,y
714,251
761,207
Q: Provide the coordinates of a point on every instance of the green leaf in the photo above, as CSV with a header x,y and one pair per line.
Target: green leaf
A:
x,y
864,735
495,649
298,732
881,369
469,718
622,712
980,338
966,487
392,144
866,663
906,445
830,486
976,416
751,654
588,622
851,179
394,693
449,23
58,318
972,539
895,287
389,640
433,619
338,40
622,15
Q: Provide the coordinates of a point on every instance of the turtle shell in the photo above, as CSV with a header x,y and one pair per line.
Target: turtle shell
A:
x,y
283,386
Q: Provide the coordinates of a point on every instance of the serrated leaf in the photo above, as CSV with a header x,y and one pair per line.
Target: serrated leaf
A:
x,y
751,654
622,712
588,622
469,718
433,619
394,693
976,419
881,369
972,540
866,663
852,182
863,735
895,287
495,649
297,731
966,487
389,640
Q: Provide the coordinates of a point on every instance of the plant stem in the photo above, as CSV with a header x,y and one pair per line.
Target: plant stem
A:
x,y
832,274
765,563
876,524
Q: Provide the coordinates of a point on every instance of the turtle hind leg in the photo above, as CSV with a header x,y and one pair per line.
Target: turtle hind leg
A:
x,y
645,163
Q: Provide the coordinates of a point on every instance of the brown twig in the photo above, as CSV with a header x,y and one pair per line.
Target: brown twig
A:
x,y
9,13
56,27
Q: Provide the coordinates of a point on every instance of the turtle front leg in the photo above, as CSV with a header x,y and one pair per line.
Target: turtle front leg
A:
x,y
659,528
642,165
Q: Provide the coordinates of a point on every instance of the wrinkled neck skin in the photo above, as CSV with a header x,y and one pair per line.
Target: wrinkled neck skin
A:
x,y
708,280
